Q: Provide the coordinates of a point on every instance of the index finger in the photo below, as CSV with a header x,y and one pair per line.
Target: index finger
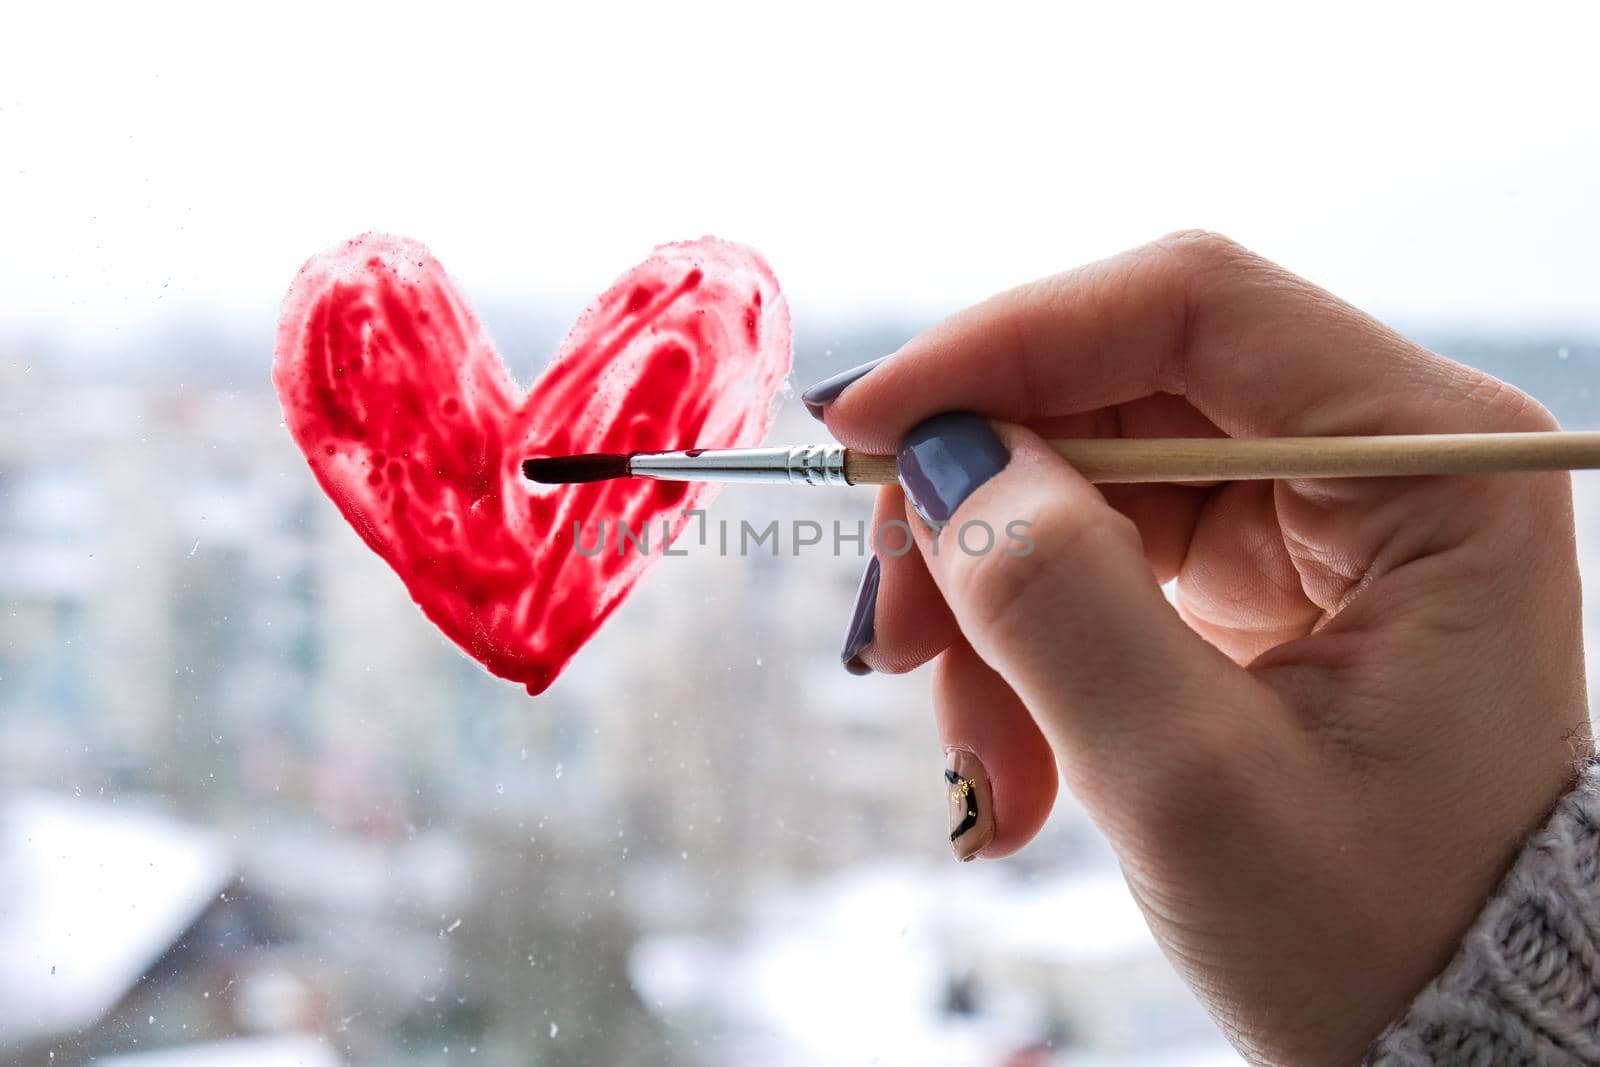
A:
x,y
1257,350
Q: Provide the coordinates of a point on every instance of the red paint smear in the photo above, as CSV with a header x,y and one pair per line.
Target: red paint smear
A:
x,y
415,429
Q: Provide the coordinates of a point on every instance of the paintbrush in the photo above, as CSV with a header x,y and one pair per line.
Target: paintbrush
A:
x,y
1121,459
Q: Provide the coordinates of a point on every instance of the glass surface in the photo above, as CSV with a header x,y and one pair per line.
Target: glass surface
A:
x,y
254,809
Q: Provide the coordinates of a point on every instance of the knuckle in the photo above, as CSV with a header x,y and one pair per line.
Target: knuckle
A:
x,y
1007,593
998,590
1200,249
1196,267
1511,409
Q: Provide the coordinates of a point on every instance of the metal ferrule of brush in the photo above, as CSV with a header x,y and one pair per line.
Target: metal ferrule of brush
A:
x,y
801,465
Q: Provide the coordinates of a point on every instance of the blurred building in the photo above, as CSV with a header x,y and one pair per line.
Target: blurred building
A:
x,y
186,616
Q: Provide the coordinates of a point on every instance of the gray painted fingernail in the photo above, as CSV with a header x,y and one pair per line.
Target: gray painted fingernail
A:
x,y
863,621
822,394
943,459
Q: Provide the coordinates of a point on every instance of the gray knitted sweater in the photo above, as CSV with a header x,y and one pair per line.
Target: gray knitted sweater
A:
x,y
1525,987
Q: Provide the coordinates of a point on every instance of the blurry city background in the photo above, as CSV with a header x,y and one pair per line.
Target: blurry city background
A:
x,y
255,811
250,792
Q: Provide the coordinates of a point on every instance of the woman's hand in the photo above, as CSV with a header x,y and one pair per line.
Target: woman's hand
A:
x,y
1317,764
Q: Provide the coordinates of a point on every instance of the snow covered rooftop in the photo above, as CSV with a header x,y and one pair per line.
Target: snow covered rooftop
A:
x,y
293,1051
856,965
91,895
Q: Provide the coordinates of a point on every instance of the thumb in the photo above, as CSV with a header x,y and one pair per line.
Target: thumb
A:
x,y
1051,587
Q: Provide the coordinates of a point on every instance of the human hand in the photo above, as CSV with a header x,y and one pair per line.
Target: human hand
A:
x,y
1315,764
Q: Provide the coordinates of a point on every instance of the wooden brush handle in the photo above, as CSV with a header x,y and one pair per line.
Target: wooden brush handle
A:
x,y
1206,459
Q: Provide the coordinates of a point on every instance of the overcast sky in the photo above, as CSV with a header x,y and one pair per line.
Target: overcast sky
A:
x,y
1437,165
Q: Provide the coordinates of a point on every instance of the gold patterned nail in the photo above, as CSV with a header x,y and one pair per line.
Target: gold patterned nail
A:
x,y
971,803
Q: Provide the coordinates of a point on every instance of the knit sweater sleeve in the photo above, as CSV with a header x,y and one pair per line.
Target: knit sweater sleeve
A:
x,y
1524,989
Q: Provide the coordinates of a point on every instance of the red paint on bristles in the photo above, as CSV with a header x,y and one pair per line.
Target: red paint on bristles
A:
x,y
573,470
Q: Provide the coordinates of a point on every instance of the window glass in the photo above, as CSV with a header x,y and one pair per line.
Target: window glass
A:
x,y
255,809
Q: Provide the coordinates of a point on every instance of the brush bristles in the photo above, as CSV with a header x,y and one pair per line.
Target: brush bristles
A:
x,y
571,470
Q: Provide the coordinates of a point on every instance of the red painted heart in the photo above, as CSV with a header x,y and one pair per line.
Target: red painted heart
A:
x,y
415,429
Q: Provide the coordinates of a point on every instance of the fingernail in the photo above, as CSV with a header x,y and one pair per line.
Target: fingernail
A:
x,y
943,459
826,391
862,621
971,803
